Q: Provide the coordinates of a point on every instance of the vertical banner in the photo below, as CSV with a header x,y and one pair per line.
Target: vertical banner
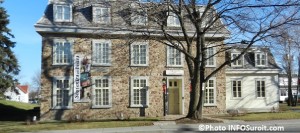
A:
x,y
77,86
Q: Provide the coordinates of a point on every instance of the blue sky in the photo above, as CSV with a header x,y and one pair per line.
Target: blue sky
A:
x,y
23,14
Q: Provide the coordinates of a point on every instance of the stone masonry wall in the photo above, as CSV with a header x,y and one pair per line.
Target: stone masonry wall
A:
x,y
120,72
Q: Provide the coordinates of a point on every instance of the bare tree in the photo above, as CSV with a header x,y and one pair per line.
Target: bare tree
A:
x,y
35,85
249,22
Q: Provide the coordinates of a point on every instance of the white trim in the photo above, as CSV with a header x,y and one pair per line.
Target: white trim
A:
x,y
168,58
100,19
214,91
54,93
63,16
94,56
231,88
252,71
146,43
213,57
132,78
54,46
94,92
171,20
260,61
235,63
42,28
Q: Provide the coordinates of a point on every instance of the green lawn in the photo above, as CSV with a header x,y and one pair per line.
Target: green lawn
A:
x,y
285,112
18,105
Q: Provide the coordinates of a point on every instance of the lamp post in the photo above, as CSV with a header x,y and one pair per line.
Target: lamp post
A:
x,y
165,93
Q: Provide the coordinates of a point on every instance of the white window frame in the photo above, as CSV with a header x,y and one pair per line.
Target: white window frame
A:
x,y
55,54
231,89
94,78
132,104
239,62
100,18
137,62
213,58
63,17
172,20
258,62
175,59
210,89
54,92
100,54
140,18
260,92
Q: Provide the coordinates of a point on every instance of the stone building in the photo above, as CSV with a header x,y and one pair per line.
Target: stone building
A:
x,y
97,63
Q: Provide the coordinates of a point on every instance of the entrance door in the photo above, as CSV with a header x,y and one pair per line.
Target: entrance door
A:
x,y
174,96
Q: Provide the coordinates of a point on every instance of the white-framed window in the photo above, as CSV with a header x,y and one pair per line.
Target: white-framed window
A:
x,y
210,61
236,88
101,52
210,92
101,15
260,86
139,18
139,93
260,59
62,93
102,92
238,62
174,57
62,13
139,54
173,20
62,52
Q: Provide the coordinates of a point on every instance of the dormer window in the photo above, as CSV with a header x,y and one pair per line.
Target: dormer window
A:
x,y
260,59
139,18
101,15
238,62
173,20
62,13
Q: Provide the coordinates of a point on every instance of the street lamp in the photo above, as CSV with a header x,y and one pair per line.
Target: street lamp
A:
x,y
164,85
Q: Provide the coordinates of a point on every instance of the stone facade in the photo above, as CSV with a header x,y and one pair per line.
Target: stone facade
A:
x,y
120,72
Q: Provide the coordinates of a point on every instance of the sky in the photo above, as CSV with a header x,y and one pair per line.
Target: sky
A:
x,y
23,14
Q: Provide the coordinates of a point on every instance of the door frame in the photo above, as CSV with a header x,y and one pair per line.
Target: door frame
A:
x,y
181,92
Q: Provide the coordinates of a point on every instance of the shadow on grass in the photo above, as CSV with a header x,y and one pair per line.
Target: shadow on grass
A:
x,y
10,113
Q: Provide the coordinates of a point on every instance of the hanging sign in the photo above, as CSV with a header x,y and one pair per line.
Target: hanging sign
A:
x,y
77,86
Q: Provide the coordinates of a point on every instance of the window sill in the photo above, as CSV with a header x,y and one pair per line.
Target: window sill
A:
x,y
210,105
103,65
62,108
132,65
101,107
138,106
174,66
69,64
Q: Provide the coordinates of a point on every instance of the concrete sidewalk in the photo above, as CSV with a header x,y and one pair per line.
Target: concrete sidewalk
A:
x,y
171,127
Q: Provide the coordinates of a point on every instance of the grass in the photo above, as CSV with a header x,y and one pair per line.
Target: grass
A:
x,y
285,112
18,105
9,127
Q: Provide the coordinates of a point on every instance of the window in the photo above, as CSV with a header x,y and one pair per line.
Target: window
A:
x,y
139,54
238,62
139,18
174,57
139,92
210,92
210,62
102,52
260,59
102,92
62,52
173,20
62,93
62,13
236,88
283,92
260,88
101,15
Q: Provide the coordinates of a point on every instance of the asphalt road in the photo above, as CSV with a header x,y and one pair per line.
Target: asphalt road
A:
x,y
170,127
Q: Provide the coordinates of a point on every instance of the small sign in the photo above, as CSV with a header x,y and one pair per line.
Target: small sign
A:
x,y
174,72
77,86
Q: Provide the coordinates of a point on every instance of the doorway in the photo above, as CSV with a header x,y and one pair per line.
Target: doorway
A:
x,y
174,97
